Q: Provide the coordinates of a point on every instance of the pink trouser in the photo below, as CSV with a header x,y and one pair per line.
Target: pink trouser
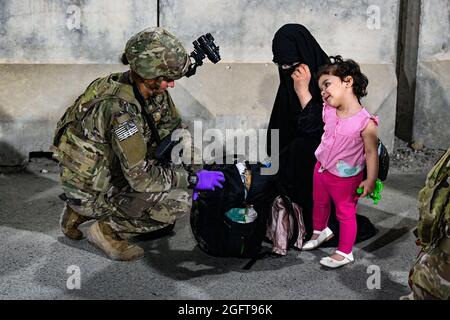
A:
x,y
342,191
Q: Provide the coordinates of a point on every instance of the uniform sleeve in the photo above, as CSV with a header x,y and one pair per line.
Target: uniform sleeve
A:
x,y
129,144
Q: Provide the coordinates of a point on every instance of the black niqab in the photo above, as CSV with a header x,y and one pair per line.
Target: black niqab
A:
x,y
293,43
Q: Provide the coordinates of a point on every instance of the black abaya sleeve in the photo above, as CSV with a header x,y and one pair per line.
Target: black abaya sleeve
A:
x,y
310,123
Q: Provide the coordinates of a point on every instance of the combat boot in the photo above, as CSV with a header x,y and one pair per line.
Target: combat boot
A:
x,y
70,221
106,239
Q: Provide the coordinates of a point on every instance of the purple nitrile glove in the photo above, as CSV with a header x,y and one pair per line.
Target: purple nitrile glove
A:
x,y
194,195
208,180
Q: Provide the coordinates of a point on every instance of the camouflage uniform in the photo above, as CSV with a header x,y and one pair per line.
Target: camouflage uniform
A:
x,y
105,146
430,276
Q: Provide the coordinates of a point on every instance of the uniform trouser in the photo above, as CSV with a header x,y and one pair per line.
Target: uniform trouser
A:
x,y
342,191
146,212
138,212
429,278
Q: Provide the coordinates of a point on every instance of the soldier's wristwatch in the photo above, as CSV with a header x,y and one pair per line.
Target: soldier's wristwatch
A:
x,y
192,180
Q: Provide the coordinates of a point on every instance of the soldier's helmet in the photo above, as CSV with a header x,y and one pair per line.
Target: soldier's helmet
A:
x,y
155,52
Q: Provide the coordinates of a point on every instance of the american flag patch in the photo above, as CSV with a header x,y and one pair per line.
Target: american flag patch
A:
x,y
126,130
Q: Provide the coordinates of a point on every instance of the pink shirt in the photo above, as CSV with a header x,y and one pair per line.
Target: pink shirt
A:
x,y
341,151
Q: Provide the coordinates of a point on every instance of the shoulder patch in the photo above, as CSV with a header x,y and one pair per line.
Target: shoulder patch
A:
x,y
125,130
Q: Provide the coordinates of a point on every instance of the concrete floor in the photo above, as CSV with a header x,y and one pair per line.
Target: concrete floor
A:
x,y
35,256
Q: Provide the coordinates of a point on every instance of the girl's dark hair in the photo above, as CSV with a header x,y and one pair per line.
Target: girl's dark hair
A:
x,y
343,68
124,59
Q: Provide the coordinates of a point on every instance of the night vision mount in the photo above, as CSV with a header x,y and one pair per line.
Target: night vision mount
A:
x,y
204,47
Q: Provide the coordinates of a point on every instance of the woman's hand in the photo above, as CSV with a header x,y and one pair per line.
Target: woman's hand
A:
x,y
302,77
368,187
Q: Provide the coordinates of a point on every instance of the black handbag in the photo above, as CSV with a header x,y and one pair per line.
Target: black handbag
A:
x,y
383,161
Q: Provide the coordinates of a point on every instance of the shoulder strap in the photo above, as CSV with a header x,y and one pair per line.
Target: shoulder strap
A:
x,y
148,117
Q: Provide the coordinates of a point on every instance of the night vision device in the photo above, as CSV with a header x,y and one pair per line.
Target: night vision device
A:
x,y
204,47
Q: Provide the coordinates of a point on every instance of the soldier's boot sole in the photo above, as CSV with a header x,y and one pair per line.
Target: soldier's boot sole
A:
x,y
115,248
70,221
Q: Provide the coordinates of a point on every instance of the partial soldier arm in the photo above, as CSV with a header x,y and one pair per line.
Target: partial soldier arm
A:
x,y
129,144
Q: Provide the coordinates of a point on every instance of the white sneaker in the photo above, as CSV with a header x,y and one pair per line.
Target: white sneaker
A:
x,y
324,235
332,263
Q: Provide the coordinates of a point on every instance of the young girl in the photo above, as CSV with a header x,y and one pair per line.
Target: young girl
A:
x,y
349,144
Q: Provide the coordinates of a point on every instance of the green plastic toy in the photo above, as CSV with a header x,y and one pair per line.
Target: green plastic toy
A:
x,y
376,194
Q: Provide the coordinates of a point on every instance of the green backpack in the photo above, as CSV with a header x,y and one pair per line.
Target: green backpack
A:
x,y
434,204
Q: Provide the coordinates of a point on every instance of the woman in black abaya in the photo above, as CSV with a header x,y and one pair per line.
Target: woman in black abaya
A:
x,y
298,117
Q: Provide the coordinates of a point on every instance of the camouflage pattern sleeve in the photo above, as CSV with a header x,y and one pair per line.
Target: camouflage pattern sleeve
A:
x,y
129,143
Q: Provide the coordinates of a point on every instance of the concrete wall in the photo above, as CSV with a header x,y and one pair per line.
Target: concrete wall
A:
x,y
432,107
50,50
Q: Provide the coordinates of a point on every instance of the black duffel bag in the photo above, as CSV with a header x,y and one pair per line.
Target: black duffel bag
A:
x,y
218,235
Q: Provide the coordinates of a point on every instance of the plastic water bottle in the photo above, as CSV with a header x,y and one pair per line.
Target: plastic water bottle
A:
x,y
250,214
242,215
236,215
